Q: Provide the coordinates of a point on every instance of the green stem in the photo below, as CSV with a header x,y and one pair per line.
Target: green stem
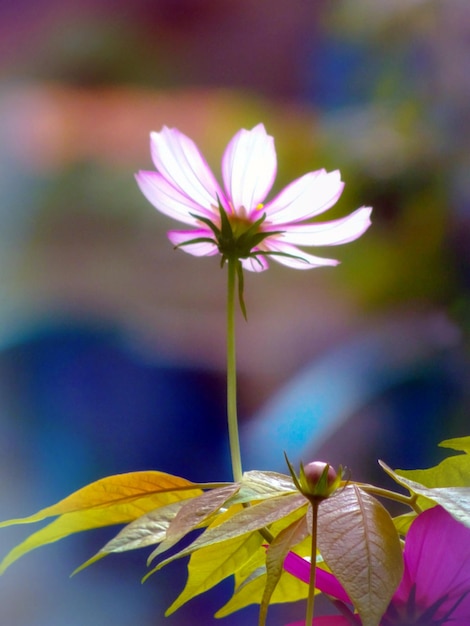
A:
x,y
313,566
232,375
411,501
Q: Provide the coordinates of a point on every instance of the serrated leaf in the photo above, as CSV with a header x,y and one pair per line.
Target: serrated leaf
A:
x,y
359,543
275,556
456,500
113,500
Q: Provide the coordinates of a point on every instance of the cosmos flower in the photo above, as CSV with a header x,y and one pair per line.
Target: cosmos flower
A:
x,y
435,587
235,220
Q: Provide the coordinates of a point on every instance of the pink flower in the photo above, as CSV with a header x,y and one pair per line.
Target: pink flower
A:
x,y
435,588
236,220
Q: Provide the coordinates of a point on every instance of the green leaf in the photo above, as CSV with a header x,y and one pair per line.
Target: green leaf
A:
x,y
113,500
456,500
457,443
359,543
403,522
454,471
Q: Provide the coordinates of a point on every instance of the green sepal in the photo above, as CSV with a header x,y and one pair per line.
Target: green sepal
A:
x,y
293,474
193,241
207,222
241,286
276,253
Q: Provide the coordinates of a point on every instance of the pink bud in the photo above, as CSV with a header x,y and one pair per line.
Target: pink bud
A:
x,y
314,470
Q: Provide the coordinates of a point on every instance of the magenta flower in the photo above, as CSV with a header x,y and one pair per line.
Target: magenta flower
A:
x,y
435,588
236,220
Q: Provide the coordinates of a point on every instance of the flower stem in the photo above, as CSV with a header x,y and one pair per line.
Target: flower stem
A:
x,y
232,374
313,565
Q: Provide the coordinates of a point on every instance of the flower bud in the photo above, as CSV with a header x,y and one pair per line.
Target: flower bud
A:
x,y
317,480
317,471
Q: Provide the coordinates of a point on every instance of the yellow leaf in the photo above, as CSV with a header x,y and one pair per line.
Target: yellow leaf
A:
x,y
456,500
453,471
403,522
146,530
238,554
117,489
275,555
251,577
288,589
113,500
212,564
458,443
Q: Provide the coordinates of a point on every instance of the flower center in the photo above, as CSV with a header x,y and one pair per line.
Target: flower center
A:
x,y
239,236
239,223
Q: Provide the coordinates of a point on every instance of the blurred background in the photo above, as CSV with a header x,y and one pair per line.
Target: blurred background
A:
x,y
112,344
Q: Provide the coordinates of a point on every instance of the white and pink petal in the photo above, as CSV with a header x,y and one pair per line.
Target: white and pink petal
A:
x,y
249,168
258,264
333,233
179,161
291,256
169,200
305,197
183,238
